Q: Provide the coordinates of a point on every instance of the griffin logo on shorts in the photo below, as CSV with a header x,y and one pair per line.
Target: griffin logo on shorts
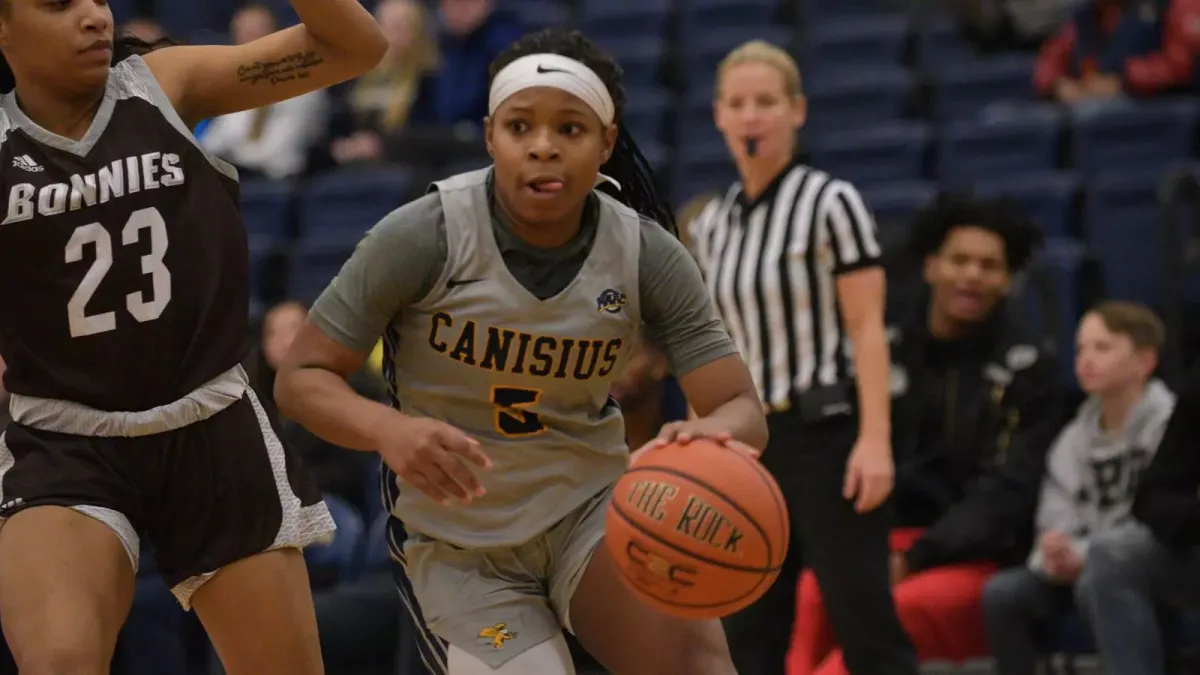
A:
x,y
498,634
611,301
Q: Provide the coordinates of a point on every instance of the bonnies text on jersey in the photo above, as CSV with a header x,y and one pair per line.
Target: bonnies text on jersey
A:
x,y
148,171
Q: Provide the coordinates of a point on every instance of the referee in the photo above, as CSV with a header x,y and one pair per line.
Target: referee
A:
x,y
791,259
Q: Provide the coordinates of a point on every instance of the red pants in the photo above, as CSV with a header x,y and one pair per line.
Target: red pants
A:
x,y
940,609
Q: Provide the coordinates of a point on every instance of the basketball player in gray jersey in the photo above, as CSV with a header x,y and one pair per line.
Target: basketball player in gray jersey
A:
x,y
509,300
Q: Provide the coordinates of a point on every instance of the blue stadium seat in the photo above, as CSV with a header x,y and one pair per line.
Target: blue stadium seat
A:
x,y
705,44
351,201
123,10
1120,222
640,57
266,208
964,88
539,14
857,41
879,154
1147,136
698,14
645,113
181,19
974,150
315,262
940,43
1061,260
623,18
1049,197
261,251
702,168
894,204
857,98
817,12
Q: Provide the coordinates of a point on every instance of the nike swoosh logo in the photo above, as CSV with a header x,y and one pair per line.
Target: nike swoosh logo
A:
x,y
455,283
543,70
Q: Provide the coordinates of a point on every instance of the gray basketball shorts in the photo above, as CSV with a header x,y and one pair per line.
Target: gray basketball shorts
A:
x,y
496,603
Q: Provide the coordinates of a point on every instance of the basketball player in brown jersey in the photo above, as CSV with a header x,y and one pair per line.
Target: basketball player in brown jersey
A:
x,y
124,283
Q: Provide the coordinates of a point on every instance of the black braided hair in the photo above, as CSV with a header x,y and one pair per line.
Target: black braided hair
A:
x,y
1002,216
627,165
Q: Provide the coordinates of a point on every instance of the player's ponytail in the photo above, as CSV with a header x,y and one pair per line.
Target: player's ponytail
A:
x,y
627,166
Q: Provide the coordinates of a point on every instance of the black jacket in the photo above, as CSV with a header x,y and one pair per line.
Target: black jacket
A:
x,y
972,422
1168,495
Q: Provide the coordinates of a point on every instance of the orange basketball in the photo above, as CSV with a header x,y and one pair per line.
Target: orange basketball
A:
x,y
697,530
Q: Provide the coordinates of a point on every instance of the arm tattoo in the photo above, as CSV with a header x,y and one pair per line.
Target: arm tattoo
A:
x,y
295,66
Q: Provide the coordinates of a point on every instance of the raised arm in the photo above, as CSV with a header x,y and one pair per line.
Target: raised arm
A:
x,y
337,41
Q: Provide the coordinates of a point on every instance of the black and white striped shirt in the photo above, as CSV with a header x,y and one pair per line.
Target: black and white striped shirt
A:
x,y
771,265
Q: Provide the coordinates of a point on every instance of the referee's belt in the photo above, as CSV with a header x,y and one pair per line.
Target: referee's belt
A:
x,y
818,403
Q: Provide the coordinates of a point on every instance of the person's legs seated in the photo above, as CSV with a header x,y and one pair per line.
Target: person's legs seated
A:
x,y
1127,575
1015,602
941,610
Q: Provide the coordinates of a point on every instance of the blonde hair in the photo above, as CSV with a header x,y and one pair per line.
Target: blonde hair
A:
x,y
399,74
760,51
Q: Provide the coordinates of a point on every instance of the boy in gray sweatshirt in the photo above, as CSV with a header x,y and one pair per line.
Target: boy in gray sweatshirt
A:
x,y
1091,477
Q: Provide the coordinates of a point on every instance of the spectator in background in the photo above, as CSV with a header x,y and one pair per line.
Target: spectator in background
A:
x,y
379,103
1134,572
1010,24
1092,473
269,142
473,33
1112,49
975,407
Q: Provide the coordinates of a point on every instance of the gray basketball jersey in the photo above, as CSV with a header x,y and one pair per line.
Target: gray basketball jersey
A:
x,y
527,378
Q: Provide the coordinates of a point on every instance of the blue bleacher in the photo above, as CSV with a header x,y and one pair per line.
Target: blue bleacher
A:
x,y
266,208
878,40
964,88
712,41
1146,136
894,204
970,150
645,113
1050,197
185,18
539,14
1120,224
640,57
702,14
703,168
857,98
352,200
885,153
623,18
940,43
1062,261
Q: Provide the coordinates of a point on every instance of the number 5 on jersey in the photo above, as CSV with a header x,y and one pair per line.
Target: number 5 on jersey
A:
x,y
83,324
511,419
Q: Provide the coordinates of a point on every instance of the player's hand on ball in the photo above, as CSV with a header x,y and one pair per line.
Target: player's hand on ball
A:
x,y
869,473
433,457
686,431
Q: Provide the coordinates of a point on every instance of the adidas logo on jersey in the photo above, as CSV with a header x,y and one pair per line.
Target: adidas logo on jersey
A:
x,y
27,163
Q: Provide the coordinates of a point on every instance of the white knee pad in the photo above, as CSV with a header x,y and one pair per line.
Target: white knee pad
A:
x,y
551,657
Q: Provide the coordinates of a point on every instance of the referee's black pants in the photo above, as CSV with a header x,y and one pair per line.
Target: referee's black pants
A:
x,y
846,550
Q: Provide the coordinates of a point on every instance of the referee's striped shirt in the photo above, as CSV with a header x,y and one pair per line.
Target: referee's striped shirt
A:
x,y
770,265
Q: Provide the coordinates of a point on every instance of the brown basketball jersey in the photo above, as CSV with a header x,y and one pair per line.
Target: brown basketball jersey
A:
x,y
124,274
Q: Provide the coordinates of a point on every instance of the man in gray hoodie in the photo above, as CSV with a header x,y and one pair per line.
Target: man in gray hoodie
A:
x,y
1091,478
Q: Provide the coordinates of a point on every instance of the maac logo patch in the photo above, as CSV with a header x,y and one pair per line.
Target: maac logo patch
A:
x,y
611,301
498,634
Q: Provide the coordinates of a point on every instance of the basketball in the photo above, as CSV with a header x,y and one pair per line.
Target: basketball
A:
x,y
698,530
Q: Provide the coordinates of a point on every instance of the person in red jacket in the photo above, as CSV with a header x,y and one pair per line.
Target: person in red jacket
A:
x,y
1112,47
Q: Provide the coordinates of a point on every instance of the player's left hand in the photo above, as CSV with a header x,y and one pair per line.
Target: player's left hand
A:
x,y
686,431
869,473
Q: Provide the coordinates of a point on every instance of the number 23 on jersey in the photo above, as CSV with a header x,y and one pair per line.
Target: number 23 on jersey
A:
x,y
142,223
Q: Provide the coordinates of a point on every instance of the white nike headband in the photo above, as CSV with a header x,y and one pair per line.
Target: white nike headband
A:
x,y
557,71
